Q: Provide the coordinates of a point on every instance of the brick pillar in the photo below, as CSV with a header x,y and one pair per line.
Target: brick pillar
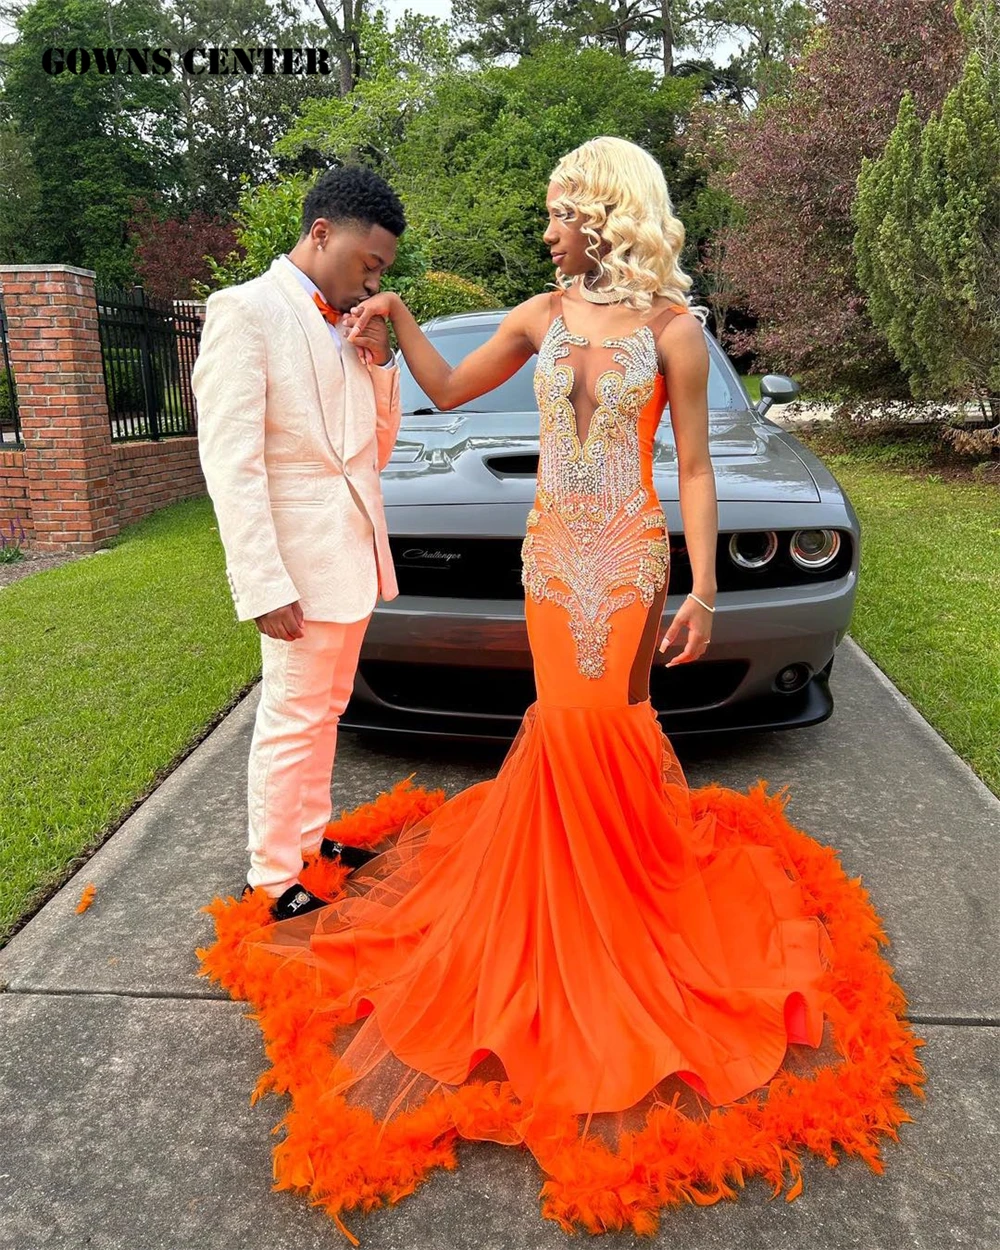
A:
x,y
55,354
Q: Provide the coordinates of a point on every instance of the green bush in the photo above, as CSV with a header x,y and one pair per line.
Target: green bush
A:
x,y
123,369
8,409
268,220
436,294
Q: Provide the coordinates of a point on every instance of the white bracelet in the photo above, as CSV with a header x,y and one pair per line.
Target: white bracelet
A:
x,y
693,596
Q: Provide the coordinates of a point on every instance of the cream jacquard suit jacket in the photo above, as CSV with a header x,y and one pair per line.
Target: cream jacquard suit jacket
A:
x,y
292,435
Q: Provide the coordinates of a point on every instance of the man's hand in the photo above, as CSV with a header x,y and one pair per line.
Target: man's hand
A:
x,y
285,623
369,334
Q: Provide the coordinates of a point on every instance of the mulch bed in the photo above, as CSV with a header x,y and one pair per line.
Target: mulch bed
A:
x,y
34,562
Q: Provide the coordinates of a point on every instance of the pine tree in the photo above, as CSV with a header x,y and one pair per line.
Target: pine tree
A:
x,y
928,239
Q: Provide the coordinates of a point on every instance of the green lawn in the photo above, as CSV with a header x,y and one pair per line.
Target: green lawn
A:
x,y
926,611
752,382
109,668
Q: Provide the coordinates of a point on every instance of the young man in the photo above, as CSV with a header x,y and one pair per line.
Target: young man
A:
x,y
294,424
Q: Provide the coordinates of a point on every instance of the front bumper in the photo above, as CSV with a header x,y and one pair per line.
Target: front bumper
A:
x,y
462,668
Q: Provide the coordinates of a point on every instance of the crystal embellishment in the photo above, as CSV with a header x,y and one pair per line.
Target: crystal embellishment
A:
x,y
595,543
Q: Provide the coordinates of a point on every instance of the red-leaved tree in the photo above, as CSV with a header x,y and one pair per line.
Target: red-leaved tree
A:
x,y
170,251
792,167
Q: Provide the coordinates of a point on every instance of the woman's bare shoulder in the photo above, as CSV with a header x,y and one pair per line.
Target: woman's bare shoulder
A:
x,y
531,318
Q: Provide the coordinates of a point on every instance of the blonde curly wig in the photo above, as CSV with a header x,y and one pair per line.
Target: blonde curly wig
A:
x,y
620,193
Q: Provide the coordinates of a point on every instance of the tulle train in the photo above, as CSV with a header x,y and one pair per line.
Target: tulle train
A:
x,y
586,958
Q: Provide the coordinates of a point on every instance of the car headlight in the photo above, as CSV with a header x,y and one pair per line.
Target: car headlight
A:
x,y
753,551
814,549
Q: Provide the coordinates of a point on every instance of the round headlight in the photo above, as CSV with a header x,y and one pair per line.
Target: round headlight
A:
x,y
814,549
753,551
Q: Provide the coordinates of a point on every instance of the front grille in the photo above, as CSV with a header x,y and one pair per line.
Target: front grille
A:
x,y
507,692
490,568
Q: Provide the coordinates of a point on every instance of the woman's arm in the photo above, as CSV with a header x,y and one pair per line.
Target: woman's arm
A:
x,y
684,357
488,367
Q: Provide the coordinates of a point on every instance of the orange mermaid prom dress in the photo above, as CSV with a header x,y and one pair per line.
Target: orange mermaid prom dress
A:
x,y
659,992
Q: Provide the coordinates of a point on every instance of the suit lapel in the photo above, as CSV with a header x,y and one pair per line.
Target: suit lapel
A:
x,y
359,414
329,369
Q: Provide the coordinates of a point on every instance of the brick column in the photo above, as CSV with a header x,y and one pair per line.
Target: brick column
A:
x,y
55,354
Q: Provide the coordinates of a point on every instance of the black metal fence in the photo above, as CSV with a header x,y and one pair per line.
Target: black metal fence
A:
x,y
10,425
148,349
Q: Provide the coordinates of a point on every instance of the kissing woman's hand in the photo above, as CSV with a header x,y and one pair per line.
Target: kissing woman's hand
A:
x,y
381,305
366,327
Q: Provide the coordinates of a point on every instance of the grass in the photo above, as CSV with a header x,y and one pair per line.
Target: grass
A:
x,y
752,382
110,667
930,580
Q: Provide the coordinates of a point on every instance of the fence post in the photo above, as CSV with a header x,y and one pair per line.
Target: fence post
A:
x,y
145,356
189,317
55,354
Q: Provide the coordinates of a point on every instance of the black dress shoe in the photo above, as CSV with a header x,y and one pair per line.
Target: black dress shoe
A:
x,y
296,901
350,856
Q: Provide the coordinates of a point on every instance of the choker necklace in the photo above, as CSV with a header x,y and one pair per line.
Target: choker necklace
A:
x,y
609,296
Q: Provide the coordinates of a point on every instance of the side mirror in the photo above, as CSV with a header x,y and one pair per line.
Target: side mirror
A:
x,y
776,388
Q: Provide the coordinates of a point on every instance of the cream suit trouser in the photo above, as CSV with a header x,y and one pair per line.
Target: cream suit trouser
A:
x,y
305,688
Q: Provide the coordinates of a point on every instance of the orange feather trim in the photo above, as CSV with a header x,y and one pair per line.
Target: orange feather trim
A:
x,y
86,899
345,1159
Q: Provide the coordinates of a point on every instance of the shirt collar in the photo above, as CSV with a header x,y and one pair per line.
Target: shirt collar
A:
x,y
304,278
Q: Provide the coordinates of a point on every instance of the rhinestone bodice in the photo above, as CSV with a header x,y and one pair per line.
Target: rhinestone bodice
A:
x,y
596,539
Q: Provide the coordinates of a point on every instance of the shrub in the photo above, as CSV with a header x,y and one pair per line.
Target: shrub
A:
x,y
436,294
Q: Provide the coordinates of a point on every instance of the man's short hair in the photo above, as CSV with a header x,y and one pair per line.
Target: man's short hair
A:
x,y
353,193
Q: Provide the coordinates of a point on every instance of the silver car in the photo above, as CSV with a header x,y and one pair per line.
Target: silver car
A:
x,y
450,655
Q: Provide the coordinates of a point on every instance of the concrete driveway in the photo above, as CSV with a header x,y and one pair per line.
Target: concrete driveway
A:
x,y
125,1080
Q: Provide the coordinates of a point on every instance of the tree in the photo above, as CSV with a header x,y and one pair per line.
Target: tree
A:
x,y
928,232
268,222
771,34
95,140
228,125
792,166
637,30
470,152
646,32
502,28
19,193
345,20
171,251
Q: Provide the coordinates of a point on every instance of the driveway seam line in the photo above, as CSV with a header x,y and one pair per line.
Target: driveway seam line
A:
x,y
980,1022
182,996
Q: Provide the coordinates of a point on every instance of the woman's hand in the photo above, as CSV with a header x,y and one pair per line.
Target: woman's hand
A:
x,y
698,623
445,385
385,305
366,327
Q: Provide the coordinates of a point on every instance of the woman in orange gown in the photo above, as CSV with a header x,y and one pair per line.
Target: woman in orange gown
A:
x,y
583,956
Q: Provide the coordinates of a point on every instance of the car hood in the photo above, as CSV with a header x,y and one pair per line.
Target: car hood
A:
x,y
469,457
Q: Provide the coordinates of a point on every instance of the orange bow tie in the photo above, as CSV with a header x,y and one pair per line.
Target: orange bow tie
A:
x,y
329,312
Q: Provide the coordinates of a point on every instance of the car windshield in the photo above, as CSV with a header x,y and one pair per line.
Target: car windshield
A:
x,y
517,393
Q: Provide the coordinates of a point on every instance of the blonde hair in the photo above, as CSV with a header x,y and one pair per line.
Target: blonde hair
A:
x,y
620,193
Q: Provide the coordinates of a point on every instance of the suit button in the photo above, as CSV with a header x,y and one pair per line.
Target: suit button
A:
x,y
348,470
